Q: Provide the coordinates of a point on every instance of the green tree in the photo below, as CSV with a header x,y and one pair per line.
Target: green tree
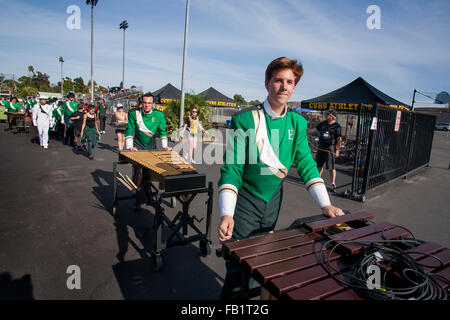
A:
x,y
41,81
68,85
79,85
239,99
254,102
27,91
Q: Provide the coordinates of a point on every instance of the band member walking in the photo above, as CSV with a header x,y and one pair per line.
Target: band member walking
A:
x,y
120,121
89,130
41,118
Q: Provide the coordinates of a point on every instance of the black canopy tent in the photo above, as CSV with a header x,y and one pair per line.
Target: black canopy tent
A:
x,y
390,140
350,97
167,94
217,99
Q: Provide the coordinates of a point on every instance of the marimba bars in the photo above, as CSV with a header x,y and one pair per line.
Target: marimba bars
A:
x,y
177,179
318,264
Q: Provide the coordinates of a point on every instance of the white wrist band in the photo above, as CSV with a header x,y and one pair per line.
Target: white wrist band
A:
x,y
320,195
129,143
164,142
227,199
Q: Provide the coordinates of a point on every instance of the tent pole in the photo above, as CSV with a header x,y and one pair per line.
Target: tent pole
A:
x,y
414,100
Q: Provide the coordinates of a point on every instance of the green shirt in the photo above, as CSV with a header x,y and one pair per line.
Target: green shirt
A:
x,y
153,121
68,111
243,168
14,107
102,109
57,113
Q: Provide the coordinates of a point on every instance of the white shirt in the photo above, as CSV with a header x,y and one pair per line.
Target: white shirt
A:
x,y
270,112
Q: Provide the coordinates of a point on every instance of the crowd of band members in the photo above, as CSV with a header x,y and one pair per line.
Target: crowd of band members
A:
x,y
74,123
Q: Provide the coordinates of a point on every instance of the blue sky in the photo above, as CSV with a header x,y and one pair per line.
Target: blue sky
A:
x,y
231,43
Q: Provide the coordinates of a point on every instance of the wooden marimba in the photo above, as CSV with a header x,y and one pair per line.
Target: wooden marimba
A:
x,y
176,179
318,264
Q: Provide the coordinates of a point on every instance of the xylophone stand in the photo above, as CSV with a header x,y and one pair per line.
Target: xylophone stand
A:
x,y
153,197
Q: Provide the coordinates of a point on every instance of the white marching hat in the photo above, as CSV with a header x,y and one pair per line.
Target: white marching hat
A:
x,y
43,97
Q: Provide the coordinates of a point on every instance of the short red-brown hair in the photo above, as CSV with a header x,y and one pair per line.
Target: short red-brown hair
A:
x,y
285,63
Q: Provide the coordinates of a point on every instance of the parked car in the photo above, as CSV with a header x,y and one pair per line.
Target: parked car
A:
x,y
442,126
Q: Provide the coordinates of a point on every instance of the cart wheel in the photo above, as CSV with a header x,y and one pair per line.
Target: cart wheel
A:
x,y
173,202
157,261
205,248
362,198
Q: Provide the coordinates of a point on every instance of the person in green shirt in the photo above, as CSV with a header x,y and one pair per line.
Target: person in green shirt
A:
x,y
101,114
140,133
264,142
69,107
58,116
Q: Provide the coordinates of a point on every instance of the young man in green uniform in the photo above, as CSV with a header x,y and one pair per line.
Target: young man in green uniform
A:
x,y
141,129
267,140
69,107
58,116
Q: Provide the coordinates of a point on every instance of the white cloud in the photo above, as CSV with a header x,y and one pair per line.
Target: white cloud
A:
x,y
231,43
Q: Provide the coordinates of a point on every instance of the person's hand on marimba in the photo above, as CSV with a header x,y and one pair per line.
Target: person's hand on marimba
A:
x,y
332,211
167,148
225,228
133,149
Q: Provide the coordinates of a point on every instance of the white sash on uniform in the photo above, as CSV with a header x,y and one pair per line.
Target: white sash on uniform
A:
x,y
141,125
266,153
68,106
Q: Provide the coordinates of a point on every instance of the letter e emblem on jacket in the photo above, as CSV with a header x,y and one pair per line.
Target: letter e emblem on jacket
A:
x,y
291,134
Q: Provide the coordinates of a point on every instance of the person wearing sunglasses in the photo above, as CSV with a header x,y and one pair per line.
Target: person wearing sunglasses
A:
x,y
193,123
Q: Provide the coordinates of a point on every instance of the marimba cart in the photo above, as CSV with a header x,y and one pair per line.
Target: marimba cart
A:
x,y
20,121
328,259
177,180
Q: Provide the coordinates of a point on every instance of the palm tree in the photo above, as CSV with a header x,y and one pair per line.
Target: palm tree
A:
x,y
30,72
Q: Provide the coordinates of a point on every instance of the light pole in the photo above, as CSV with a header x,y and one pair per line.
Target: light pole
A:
x,y
124,26
186,25
93,3
62,79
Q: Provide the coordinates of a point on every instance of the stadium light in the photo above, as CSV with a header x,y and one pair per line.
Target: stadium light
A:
x,y
62,79
124,26
93,3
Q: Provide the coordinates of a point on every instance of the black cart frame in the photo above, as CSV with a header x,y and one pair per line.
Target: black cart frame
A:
x,y
179,224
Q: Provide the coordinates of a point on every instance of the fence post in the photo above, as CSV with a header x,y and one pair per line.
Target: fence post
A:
x,y
357,152
369,153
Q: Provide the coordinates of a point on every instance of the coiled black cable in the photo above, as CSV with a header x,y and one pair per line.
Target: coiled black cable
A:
x,y
417,283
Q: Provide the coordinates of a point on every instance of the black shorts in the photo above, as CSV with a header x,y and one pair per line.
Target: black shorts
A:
x,y
76,132
327,158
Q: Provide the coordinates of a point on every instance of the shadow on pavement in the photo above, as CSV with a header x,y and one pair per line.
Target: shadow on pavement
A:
x,y
17,289
183,276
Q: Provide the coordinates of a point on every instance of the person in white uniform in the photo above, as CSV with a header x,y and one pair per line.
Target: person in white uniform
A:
x,y
42,115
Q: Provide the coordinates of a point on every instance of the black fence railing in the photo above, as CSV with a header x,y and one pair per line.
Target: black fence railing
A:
x,y
389,144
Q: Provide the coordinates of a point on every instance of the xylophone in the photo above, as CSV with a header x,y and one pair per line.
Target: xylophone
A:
x,y
176,179
328,259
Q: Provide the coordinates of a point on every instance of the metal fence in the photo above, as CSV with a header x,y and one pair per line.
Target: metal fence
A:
x,y
220,115
389,144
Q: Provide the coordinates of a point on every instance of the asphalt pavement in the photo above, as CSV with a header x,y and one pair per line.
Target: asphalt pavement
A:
x,y
56,212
